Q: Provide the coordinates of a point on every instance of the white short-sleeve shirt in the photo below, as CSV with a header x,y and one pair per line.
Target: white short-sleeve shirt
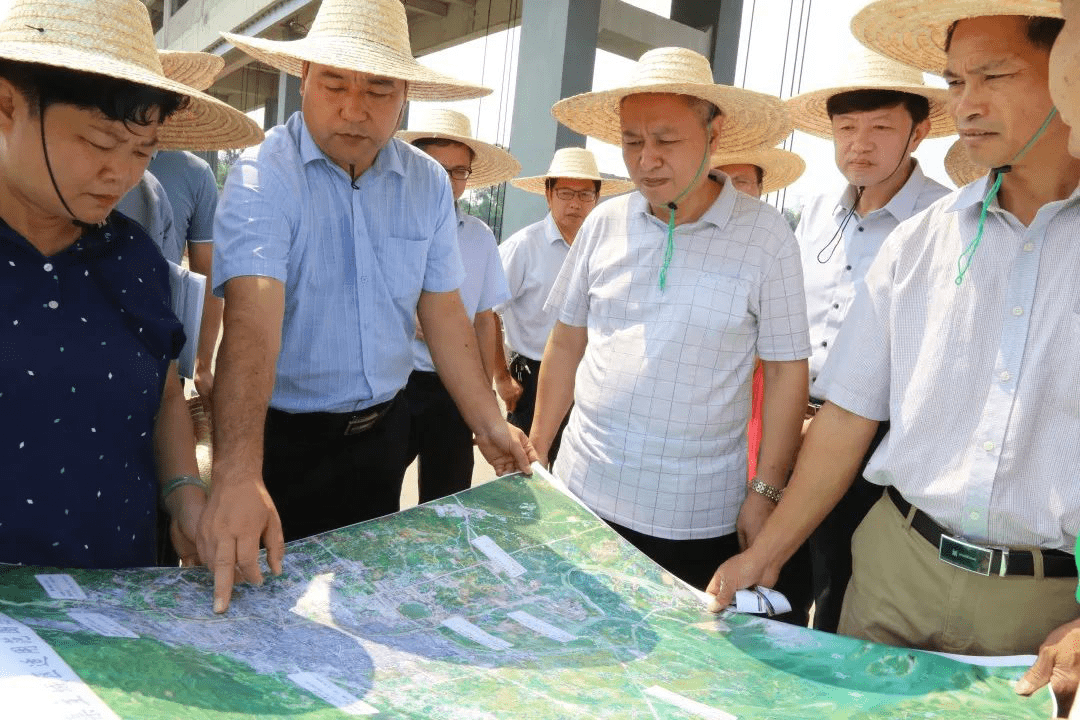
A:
x,y
531,259
484,286
657,438
833,272
980,381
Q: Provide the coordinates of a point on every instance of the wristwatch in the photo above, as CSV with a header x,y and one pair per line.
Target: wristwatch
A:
x,y
768,491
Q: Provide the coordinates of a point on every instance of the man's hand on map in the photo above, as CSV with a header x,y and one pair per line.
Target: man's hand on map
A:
x,y
738,573
1059,665
754,512
507,449
239,514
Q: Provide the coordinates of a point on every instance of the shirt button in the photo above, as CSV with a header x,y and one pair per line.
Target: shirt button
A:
x,y
48,267
848,268
1005,376
836,306
53,304
988,445
824,343
860,228
974,515
1018,311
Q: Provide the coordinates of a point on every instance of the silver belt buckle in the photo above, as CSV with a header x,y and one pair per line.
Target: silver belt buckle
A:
x,y
964,555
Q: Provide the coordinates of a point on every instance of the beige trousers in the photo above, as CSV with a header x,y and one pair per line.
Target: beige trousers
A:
x,y
901,594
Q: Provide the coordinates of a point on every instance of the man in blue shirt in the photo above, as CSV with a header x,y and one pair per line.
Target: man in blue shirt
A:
x,y
439,436
330,240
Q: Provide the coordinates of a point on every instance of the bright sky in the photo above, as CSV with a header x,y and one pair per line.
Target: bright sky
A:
x,y
762,66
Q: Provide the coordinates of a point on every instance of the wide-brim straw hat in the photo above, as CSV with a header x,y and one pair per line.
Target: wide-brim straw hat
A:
x,y
368,36
491,164
914,31
867,70
114,38
779,167
751,119
960,167
575,164
194,69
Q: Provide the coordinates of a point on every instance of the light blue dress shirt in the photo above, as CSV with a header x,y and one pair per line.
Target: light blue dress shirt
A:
x,y
485,282
353,261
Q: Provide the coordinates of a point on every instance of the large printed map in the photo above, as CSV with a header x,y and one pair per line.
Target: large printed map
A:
x,y
509,600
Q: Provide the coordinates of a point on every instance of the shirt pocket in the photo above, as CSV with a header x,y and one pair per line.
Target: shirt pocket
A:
x,y
404,262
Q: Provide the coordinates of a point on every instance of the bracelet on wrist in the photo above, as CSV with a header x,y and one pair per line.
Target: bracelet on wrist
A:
x,y
774,494
178,482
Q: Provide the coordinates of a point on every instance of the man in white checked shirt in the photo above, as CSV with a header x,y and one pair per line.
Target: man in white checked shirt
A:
x,y
664,300
965,338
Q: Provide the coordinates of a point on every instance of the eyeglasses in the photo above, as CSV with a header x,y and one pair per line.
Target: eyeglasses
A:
x,y
585,196
458,173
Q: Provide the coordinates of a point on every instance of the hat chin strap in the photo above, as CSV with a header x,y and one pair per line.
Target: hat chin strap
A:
x,y
48,166
669,248
999,173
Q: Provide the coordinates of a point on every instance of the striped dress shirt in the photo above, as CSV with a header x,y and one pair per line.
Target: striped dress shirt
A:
x,y
353,261
980,381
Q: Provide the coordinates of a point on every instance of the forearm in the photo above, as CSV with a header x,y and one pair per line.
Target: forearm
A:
x,y
174,433
245,374
491,355
201,257
783,408
453,344
501,368
830,456
555,386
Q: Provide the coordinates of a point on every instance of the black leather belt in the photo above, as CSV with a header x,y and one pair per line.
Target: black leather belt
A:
x,y
990,561
332,424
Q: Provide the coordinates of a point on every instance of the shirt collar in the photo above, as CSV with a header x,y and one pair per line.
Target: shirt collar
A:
x,y
972,195
718,214
551,230
901,205
387,160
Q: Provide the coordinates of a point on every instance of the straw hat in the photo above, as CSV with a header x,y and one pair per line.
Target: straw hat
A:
x,y
914,31
491,164
194,69
779,167
114,38
866,70
751,119
368,36
960,167
576,164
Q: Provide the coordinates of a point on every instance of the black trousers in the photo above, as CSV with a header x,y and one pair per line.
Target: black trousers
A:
x,y
695,561
527,372
439,436
830,543
321,478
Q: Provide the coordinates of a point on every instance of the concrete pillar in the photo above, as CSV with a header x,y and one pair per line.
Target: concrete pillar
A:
x,y
725,18
555,60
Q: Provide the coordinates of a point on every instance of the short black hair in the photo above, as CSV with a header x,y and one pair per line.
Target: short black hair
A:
x,y
549,184
116,99
1041,31
425,142
868,100
760,174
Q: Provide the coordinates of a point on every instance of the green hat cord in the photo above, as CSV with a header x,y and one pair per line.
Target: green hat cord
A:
x,y
669,249
969,252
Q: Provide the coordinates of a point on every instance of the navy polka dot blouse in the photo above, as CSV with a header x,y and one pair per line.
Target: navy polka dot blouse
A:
x,y
86,337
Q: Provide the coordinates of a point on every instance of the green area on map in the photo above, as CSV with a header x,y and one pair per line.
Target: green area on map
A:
x,y
364,607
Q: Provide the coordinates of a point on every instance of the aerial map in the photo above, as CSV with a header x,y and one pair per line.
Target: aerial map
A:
x,y
509,600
